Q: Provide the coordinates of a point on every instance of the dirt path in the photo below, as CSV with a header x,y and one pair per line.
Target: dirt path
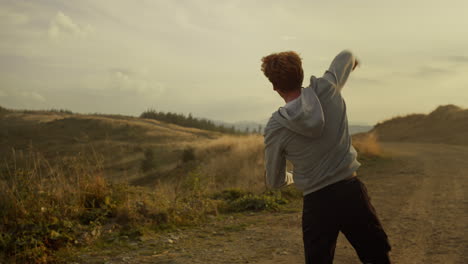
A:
x,y
420,195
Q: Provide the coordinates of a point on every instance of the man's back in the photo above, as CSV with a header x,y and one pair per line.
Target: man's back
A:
x,y
312,132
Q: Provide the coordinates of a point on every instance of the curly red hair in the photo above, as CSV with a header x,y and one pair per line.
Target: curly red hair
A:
x,y
284,70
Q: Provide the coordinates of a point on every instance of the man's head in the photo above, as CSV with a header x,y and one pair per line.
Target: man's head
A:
x,y
284,70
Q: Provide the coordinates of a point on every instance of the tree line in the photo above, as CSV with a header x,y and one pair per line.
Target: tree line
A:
x,y
190,121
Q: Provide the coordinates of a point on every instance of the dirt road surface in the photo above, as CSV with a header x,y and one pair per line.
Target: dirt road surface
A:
x,y
420,194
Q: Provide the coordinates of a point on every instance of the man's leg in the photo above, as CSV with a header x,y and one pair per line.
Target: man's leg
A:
x,y
362,227
320,228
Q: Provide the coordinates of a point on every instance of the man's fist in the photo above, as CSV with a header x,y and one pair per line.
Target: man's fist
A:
x,y
356,63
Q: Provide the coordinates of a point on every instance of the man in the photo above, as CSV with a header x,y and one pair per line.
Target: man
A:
x,y
311,131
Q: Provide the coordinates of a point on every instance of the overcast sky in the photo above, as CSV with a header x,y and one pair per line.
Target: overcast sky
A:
x,y
203,57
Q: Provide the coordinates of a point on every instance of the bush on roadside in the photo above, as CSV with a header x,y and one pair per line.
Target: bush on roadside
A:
x,y
236,200
45,207
48,206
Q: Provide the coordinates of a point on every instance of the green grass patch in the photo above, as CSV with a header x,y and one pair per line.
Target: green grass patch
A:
x,y
236,200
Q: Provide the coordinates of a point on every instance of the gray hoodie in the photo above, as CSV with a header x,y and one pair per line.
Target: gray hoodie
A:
x,y
312,132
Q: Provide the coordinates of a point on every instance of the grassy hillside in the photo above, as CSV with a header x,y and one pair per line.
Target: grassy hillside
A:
x,y
65,178
120,140
73,180
447,124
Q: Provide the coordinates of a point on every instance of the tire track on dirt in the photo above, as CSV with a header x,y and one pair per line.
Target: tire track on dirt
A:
x,y
431,227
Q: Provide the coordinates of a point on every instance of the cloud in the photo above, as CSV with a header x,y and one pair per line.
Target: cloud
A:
x,y
430,71
364,80
127,80
22,99
459,59
62,25
13,18
287,38
33,95
28,95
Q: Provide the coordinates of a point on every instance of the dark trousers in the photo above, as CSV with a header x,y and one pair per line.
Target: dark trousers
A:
x,y
343,206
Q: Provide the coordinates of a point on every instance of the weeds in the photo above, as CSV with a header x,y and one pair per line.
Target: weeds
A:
x,y
48,206
233,162
236,200
42,204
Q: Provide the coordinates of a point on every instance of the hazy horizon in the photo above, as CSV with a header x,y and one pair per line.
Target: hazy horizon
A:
x,y
203,57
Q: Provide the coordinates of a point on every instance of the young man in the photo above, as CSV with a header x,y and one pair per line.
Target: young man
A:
x,y
311,131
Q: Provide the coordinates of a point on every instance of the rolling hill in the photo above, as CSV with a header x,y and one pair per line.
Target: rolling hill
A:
x,y
120,140
447,124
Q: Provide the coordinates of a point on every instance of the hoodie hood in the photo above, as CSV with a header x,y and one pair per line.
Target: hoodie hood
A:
x,y
304,115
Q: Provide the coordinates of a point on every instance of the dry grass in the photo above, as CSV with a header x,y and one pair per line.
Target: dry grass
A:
x,y
65,190
50,204
66,182
233,162
47,206
446,124
41,202
120,140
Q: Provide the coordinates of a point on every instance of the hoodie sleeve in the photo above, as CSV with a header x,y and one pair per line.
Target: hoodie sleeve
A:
x,y
275,164
340,69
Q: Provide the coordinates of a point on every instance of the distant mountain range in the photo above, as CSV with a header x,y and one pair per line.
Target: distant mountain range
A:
x,y
354,129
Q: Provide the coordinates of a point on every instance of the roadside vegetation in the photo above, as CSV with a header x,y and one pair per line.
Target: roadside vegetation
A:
x,y
50,205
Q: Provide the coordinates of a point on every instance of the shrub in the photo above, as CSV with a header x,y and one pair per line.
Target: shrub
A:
x,y
43,205
230,194
238,200
192,203
252,202
62,111
149,162
291,193
188,154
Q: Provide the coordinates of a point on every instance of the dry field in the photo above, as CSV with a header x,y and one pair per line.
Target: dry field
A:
x,y
131,190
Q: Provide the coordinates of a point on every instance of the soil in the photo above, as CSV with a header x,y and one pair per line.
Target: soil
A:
x,y
419,192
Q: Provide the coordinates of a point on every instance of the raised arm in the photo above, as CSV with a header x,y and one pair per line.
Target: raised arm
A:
x,y
340,68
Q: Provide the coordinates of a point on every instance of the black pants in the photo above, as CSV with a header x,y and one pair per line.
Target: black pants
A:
x,y
343,206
